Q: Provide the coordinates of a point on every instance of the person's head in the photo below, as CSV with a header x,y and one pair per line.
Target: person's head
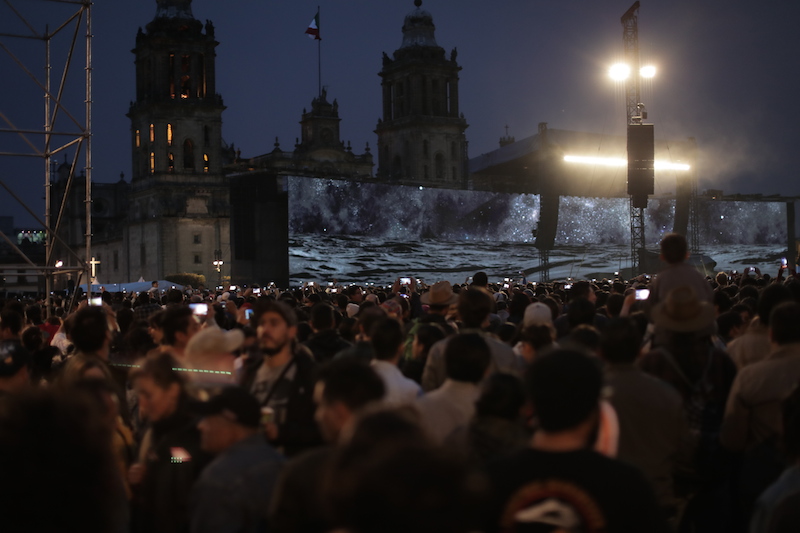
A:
x,y
674,249
71,471
322,317
721,279
276,326
10,324
387,338
154,285
430,488
89,332
582,290
425,337
343,388
480,279
620,341
33,313
502,396
466,358
212,350
155,326
730,324
682,312
584,337
564,387
179,326
355,294
580,311
32,338
227,418
159,387
15,366
474,307
783,323
535,338
614,304
771,297
369,316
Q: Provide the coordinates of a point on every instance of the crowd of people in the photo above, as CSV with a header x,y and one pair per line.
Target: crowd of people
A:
x,y
663,404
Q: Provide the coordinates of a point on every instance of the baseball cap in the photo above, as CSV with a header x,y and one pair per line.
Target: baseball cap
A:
x,y
233,403
537,314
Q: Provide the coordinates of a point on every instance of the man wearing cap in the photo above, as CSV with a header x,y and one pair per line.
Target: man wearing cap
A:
x,y
560,483
439,298
234,491
15,362
209,353
325,340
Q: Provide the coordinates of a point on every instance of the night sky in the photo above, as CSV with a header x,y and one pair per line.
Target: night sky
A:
x,y
727,75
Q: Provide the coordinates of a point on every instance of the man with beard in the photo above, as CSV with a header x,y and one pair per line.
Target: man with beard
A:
x,y
281,377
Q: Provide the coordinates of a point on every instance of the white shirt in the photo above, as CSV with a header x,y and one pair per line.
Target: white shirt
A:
x,y
399,389
448,408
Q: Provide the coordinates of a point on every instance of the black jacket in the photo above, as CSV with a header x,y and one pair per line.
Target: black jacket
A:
x,y
299,431
325,344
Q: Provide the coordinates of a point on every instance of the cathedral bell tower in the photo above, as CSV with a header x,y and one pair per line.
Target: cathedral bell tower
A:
x,y
179,217
421,135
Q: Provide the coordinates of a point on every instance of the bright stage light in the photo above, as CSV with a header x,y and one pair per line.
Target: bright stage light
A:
x,y
647,72
619,71
620,162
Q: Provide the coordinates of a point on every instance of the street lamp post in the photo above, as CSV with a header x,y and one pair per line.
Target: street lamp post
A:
x,y
218,265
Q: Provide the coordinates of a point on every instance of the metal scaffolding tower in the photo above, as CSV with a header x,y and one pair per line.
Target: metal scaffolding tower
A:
x,y
62,128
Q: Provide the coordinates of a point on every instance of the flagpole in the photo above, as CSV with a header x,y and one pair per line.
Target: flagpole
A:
x,y
319,60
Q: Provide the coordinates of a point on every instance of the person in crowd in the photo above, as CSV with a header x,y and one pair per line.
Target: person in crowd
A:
x,y
776,508
11,324
431,490
424,337
145,306
209,355
15,365
448,409
559,482
730,327
179,326
234,491
345,389
170,457
754,344
325,341
281,377
534,338
387,344
474,307
580,310
652,424
497,428
677,273
66,481
362,348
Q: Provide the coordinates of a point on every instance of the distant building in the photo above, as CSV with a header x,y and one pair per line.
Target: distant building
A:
x,y
421,133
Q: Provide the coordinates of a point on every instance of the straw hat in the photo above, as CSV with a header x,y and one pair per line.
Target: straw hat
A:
x,y
440,294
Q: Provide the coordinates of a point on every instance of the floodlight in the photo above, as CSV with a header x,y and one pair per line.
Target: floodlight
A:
x,y
619,71
647,72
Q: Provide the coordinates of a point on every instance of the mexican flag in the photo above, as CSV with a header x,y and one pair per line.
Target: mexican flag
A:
x,y
313,28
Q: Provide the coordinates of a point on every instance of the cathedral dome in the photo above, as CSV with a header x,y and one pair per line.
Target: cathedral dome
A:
x,y
418,28
174,9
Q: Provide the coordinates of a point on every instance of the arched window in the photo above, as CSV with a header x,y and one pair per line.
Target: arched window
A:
x,y
137,139
152,132
186,86
171,162
205,162
169,134
152,162
440,166
188,155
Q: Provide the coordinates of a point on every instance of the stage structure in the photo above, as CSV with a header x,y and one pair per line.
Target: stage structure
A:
x,y
63,127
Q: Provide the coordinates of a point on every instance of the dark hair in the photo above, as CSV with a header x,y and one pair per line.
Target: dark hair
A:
x,y
11,320
428,335
537,336
34,313
176,319
502,396
160,368
584,336
783,323
564,386
466,357
580,289
518,303
265,305
369,316
580,311
89,329
387,336
75,459
32,338
125,318
674,248
722,301
769,298
480,279
614,304
727,321
351,382
322,317
620,340
473,307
